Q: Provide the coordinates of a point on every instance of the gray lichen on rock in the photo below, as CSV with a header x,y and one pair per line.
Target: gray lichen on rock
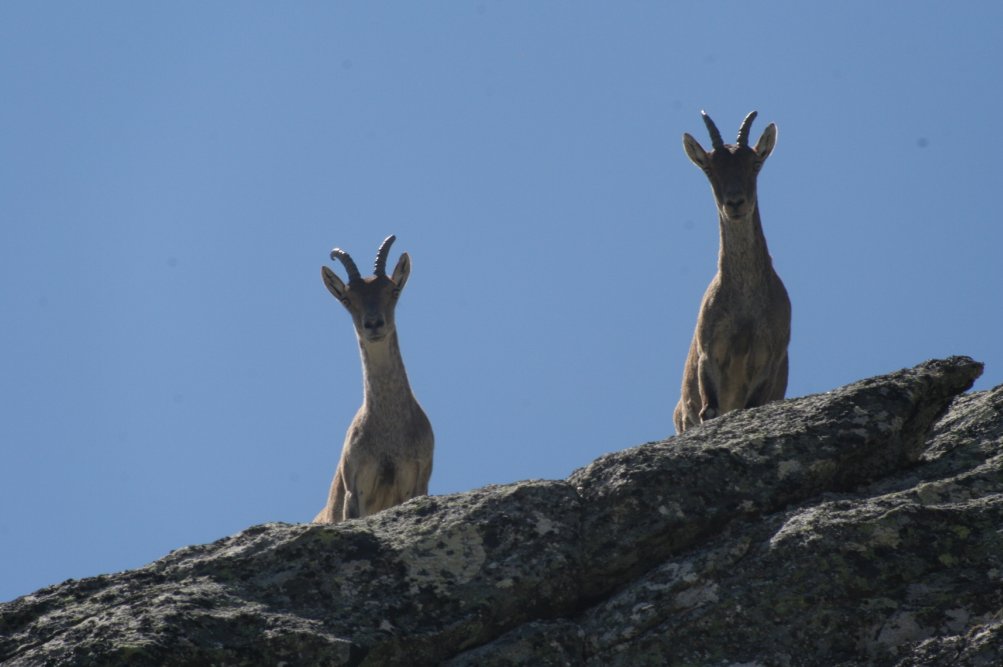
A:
x,y
857,526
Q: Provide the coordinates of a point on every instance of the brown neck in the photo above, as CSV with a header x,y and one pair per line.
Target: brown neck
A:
x,y
743,256
384,379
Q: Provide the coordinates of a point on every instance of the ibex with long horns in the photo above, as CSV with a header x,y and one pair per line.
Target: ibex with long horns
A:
x,y
738,357
387,455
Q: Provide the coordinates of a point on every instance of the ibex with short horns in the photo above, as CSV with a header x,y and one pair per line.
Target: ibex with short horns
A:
x,y
387,455
738,357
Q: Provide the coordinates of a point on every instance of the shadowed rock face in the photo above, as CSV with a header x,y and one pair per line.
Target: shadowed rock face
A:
x,y
858,526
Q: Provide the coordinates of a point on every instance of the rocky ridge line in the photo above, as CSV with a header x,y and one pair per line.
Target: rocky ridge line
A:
x,y
857,525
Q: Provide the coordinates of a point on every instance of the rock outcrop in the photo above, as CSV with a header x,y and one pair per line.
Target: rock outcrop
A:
x,y
860,526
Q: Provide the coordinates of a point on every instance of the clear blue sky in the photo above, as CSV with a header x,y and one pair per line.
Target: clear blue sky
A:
x,y
173,175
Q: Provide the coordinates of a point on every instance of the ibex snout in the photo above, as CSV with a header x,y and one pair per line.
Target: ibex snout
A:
x,y
734,199
374,326
736,205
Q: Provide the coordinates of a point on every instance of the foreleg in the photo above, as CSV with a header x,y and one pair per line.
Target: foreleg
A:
x,y
707,376
334,509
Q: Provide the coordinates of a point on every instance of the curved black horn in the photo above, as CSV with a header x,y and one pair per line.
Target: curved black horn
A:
x,y
715,137
346,259
381,255
743,132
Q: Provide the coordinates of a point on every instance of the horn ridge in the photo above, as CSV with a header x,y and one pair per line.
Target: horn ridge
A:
x,y
743,132
346,259
380,267
715,136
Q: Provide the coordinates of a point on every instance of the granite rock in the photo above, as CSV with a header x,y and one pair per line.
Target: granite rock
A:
x,y
857,526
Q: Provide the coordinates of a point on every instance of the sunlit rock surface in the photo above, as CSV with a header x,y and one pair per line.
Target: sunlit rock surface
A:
x,y
860,526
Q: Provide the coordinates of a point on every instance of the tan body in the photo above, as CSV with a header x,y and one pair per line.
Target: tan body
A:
x,y
386,458
738,356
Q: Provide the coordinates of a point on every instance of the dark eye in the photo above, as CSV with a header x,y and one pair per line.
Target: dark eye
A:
x,y
396,292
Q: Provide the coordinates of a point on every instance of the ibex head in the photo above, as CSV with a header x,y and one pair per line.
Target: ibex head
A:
x,y
370,301
732,168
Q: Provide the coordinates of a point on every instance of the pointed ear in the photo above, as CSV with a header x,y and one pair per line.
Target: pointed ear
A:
x,y
695,151
402,271
766,142
334,285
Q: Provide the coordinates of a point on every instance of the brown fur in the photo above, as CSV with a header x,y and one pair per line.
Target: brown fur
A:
x,y
387,455
738,357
